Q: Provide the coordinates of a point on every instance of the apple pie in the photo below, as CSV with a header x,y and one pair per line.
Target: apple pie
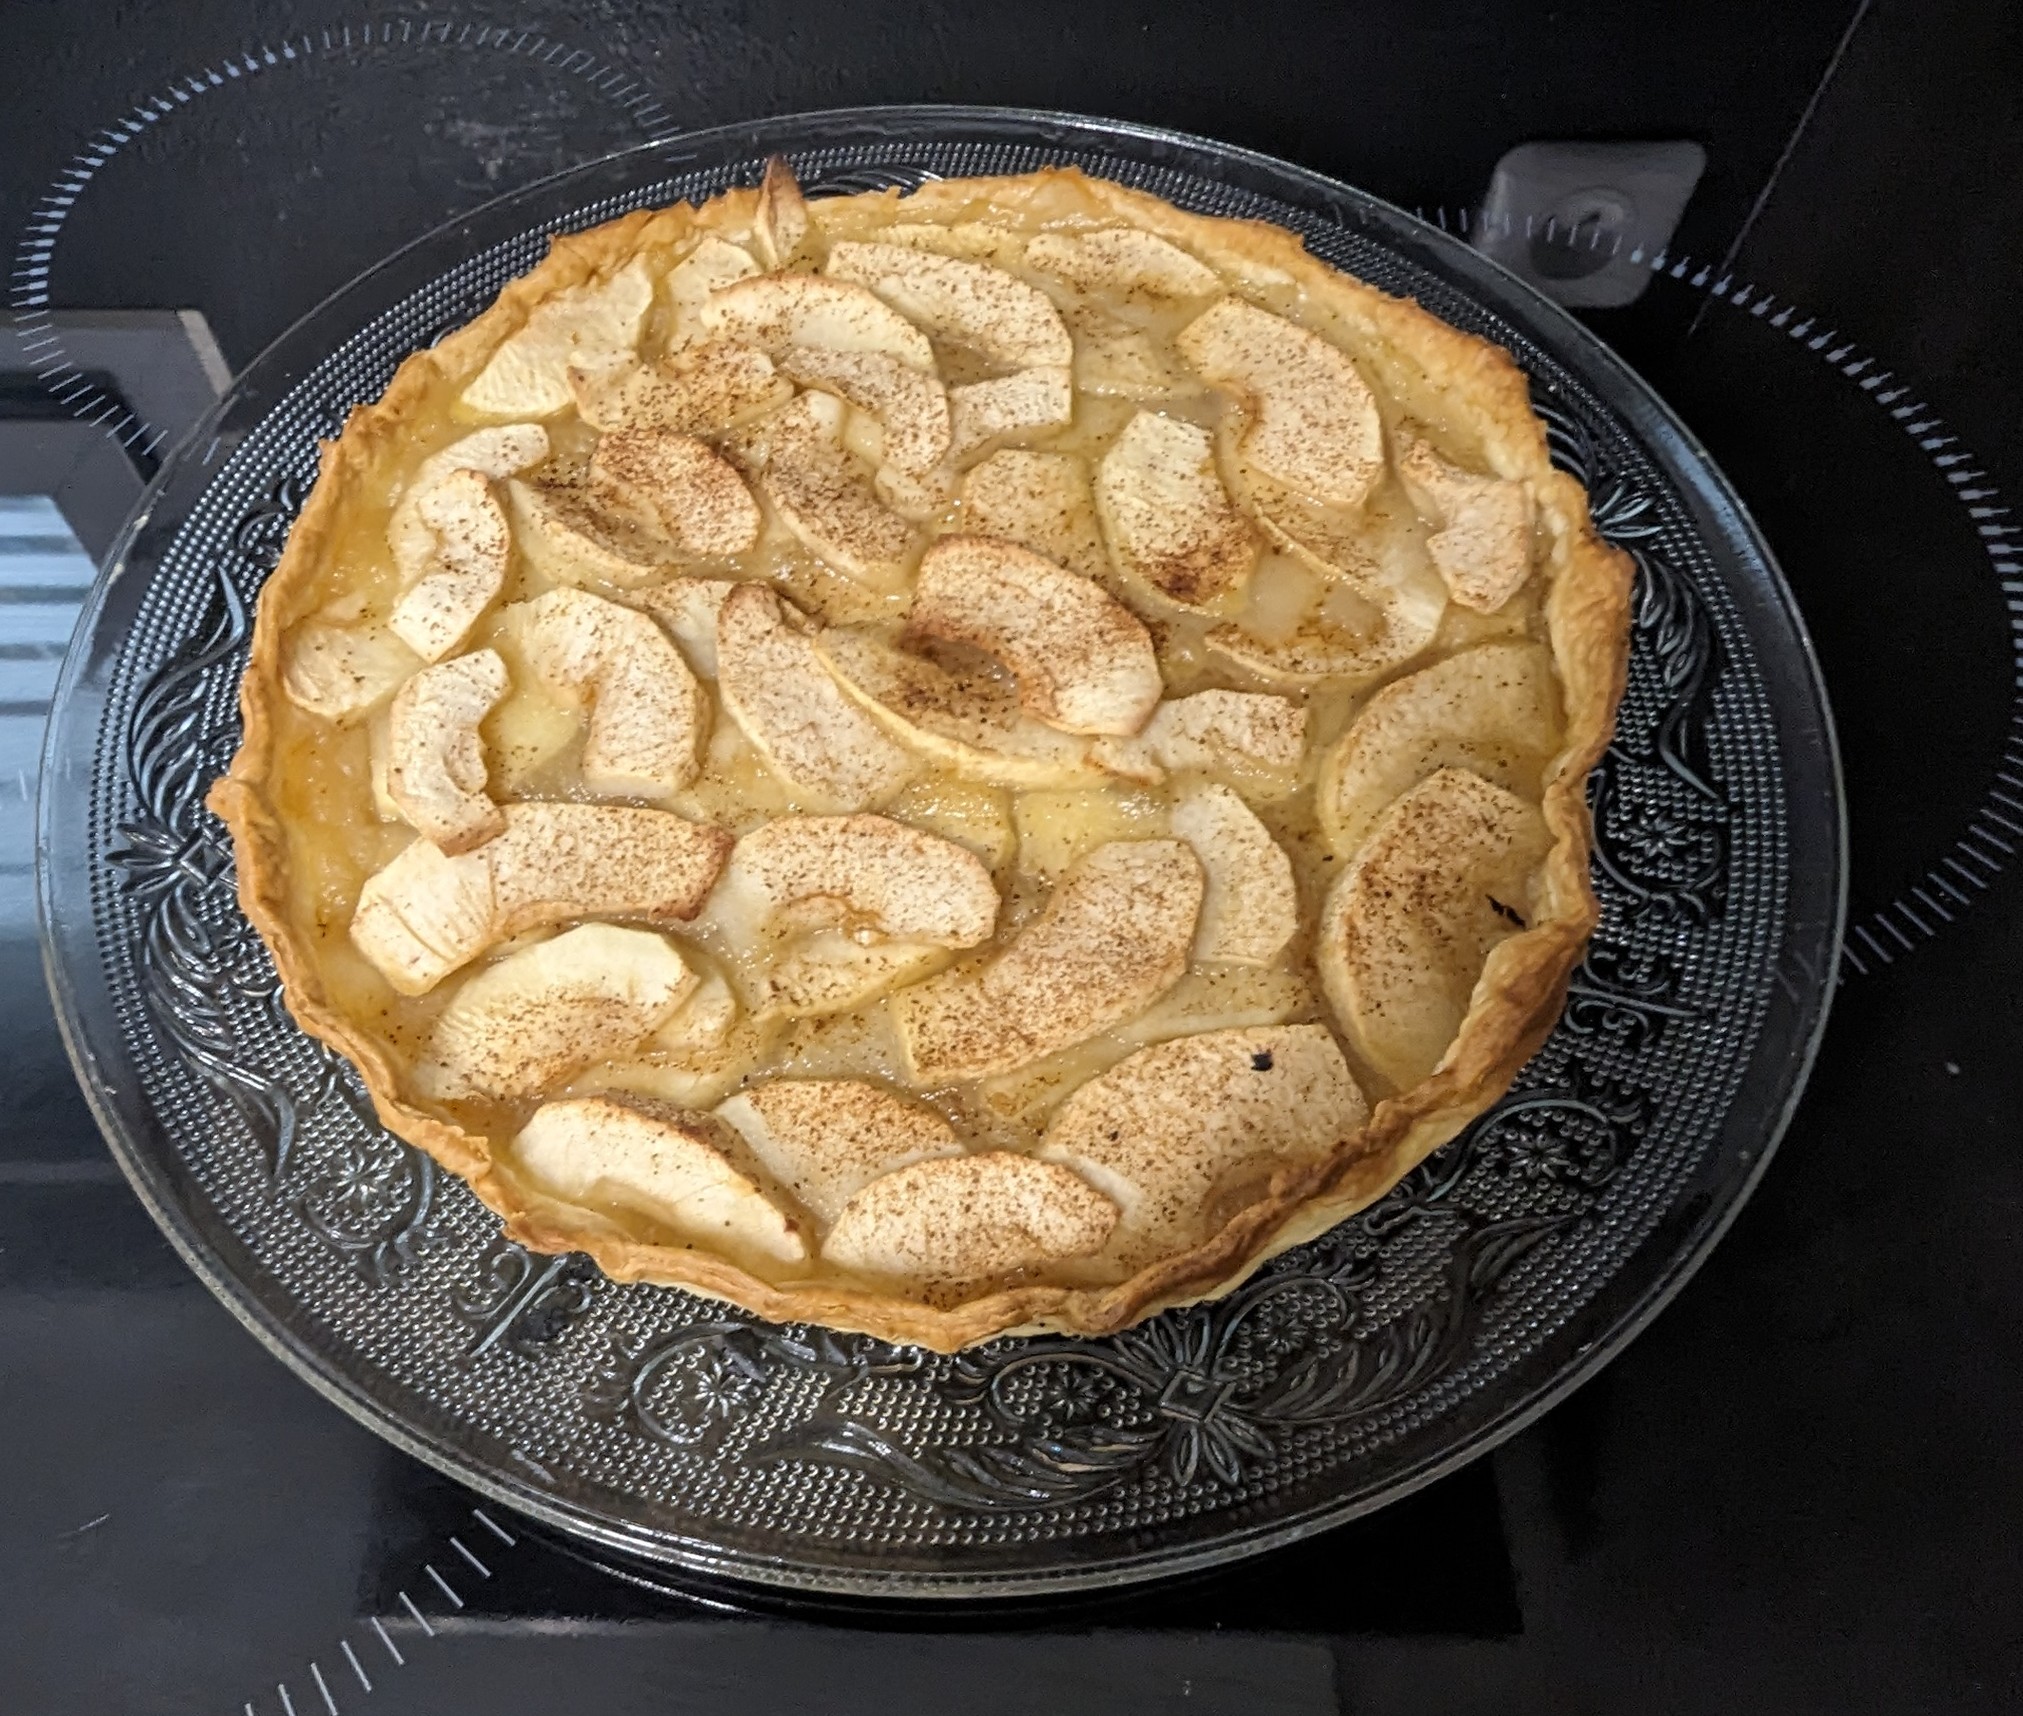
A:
x,y
949,764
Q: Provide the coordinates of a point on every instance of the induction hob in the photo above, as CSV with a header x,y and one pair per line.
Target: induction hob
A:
x,y
1793,1492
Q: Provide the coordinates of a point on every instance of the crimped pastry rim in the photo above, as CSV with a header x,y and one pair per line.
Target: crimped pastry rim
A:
x,y
1515,1004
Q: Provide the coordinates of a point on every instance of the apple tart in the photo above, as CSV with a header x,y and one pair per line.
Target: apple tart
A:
x,y
948,764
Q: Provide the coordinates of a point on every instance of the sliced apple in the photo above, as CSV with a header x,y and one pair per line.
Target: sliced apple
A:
x,y
702,1022
1482,541
648,716
812,735
435,761
774,311
1350,627
465,570
1122,259
683,487
679,1168
426,913
1312,420
504,450
343,672
1254,738
1250,912
1114,360
869,876
1169,521
972,240
781,222
824,495
967,1218
974,304
498,453
1221,998
592,326
1367,597
911,408
712,265
1027,402
1443,877
566,537
702,390
1113,938
1083,661
1493,709
688,1073
1059,826
536,1016
1183,1134
967,721
829,972
1224,998
529,730
828,911
826,1139
1040,501
378,746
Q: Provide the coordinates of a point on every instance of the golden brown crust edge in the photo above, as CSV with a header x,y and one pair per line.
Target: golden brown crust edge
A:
x,y
1516,1003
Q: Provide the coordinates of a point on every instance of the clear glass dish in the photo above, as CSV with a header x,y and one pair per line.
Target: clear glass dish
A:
x,y
682,1433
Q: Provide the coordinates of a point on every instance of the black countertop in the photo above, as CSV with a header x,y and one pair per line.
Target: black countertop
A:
x,y
1799,1490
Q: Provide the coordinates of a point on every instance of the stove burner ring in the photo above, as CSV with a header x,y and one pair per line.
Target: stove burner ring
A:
x,y
38,337
1993,834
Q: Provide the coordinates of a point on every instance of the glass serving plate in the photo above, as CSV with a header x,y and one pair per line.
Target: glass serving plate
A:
x,y
677,1431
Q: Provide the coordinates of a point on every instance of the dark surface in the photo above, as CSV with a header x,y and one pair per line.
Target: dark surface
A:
x,y
1799,1491
376,144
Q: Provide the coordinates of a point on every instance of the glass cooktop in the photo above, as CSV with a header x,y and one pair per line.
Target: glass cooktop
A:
x,y
1794,1492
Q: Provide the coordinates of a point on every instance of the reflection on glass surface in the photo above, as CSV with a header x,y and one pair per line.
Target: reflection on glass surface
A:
x,y
44,574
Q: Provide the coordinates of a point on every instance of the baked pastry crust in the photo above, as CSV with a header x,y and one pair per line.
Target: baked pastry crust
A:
x,y
1432,371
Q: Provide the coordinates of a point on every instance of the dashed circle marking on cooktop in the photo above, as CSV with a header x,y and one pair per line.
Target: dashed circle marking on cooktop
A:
x,y
1993,834
38,336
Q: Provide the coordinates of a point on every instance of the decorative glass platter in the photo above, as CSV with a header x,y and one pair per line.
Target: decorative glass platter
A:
x,y
677,1431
